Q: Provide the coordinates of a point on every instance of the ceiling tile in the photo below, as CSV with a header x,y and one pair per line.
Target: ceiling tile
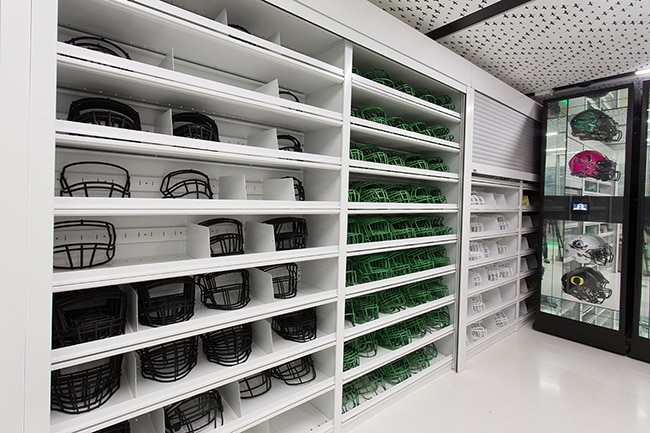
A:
x,y
544,44
427,15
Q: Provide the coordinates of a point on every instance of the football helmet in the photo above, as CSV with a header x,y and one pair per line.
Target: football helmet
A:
x,y
590,163
588,249
595,125
586,284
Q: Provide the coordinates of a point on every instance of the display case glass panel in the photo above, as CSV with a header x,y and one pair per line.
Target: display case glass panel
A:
x,y
585,145
584,189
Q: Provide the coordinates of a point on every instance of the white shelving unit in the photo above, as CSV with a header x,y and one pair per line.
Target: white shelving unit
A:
x,y
501,270
186,57
390,227
294,74
188,60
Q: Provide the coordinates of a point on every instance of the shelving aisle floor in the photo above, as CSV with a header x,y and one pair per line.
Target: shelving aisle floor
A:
x,y
529,382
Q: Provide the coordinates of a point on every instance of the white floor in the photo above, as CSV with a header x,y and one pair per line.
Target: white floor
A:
x,y
528,383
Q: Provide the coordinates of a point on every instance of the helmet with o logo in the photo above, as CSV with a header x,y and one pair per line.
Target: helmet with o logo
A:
x,y
586,284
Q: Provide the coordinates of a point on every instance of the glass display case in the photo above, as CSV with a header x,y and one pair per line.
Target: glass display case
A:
x,y
586,191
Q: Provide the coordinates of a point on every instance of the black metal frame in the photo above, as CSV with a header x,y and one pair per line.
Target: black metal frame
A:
x,y
86,187
158,306
194,413
77,390
229,346
640,346
195,125
84,254
229,239
87,315
104,111
228,295
169,362
608,209
100,44
186,183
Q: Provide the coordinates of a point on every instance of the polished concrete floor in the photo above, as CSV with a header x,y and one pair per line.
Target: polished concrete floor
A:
x,y
528,383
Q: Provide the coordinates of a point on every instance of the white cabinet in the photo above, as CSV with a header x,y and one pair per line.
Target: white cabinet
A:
x,y
501,269
200,226
402,231
256,92
298,245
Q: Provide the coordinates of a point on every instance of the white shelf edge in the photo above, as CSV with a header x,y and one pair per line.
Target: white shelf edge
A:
x,y
388,170
493,209
492,234
367,85
377,129
379,360
98,137
494,285
205,320
366,288
385,246
384,320
489,261
86,278
131,407
473,318
94,206
358,207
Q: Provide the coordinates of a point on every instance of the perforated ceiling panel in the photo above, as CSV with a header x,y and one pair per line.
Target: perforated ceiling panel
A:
x,y
427,15
543,44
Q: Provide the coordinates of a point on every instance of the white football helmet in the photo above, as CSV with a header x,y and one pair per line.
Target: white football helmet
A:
x,y
588,249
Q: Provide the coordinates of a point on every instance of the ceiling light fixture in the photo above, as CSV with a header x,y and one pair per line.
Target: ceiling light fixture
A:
x,y
642,72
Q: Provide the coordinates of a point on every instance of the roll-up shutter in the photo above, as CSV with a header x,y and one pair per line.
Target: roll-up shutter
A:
x,y
506,142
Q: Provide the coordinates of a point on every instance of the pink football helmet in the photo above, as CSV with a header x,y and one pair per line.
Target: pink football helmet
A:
x,y
590,163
